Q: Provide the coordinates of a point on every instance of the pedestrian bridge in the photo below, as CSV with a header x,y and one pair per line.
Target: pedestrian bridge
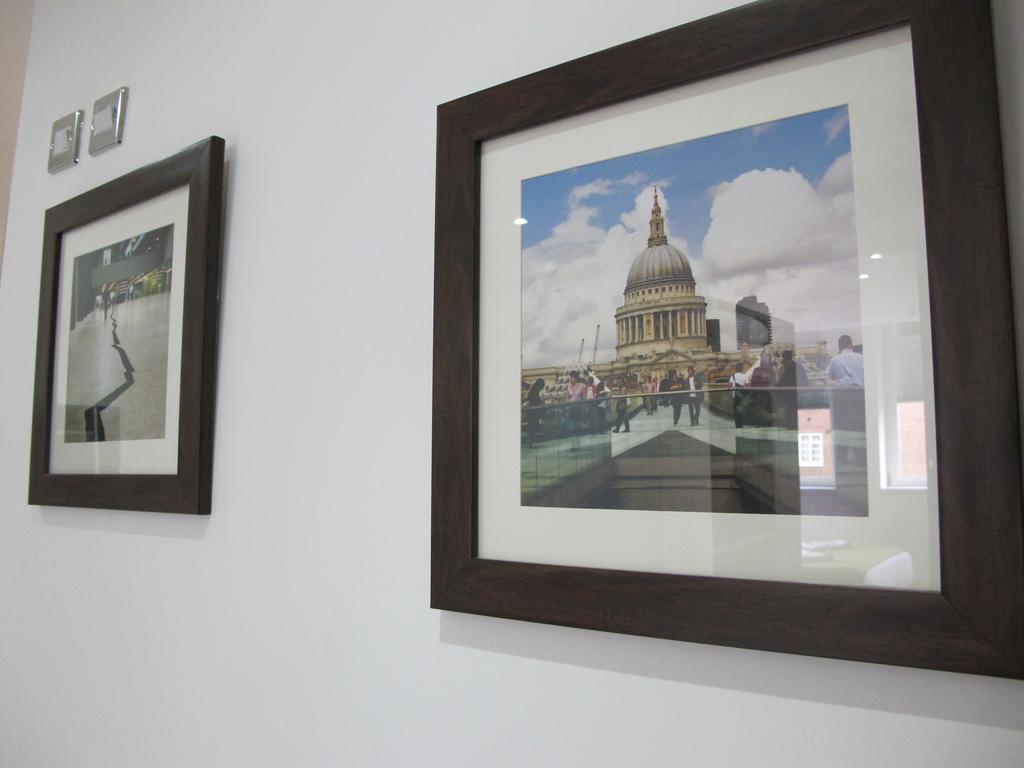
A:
x,y
789,452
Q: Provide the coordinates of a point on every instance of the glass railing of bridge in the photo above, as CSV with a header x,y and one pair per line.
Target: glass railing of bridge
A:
x,y
778,450
564,441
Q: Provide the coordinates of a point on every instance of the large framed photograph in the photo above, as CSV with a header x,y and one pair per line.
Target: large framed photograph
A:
x,y
127,340
728,295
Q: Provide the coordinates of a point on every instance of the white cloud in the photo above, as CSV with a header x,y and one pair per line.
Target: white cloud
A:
x,y
596,187
577,228
633,179
770,218
573,281
775,235
757,130
603,187
835,125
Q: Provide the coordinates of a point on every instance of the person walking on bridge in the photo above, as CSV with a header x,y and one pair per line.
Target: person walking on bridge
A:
x,y
694,384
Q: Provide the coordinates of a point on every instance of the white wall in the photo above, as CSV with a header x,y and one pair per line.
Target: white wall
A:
x,y
291,627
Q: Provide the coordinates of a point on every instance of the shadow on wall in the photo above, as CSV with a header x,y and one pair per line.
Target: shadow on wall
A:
x,y
900,690
160,524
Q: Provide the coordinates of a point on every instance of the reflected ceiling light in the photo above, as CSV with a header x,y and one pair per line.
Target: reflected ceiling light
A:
x,y
865,276
876,256
519,222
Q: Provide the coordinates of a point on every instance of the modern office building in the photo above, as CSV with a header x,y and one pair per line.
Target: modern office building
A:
x,y
753,323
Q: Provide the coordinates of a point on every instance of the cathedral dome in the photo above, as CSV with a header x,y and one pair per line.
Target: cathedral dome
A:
x,y
659,262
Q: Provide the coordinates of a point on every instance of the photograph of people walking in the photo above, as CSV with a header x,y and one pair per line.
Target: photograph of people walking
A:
x,y
118,341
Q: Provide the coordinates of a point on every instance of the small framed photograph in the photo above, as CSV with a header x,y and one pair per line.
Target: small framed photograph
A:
x,y
127,340
712,312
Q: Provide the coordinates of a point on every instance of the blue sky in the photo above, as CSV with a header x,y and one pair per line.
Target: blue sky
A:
x,y
807,143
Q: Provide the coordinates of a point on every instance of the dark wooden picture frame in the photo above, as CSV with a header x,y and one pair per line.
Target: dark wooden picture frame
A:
x,y
200,167
975,624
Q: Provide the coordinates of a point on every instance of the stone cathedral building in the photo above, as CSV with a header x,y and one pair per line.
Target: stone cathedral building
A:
x,y
661,310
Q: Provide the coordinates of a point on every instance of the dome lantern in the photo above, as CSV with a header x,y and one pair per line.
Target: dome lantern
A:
x,y
657,225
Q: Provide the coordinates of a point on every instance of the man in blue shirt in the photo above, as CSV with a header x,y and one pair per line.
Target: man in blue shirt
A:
x,y
847,368
847,371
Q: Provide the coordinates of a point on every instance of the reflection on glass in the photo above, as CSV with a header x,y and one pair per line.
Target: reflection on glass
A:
x,y
720,448
913,456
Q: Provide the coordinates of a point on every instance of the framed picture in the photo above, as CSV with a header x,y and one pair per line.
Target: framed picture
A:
x,y
723,348
126,355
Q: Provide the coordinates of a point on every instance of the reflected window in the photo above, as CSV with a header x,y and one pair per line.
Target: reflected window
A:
x,y
913,457
812,449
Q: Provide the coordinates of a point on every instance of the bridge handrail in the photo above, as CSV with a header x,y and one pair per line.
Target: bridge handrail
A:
x,y
685,392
